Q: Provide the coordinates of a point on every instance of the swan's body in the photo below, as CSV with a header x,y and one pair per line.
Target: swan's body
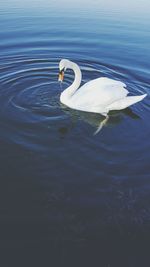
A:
x,y
99,96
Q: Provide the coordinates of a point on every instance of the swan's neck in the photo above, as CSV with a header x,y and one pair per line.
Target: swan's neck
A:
x,y
69,92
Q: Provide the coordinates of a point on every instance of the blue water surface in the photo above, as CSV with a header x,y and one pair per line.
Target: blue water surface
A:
x,y
68,196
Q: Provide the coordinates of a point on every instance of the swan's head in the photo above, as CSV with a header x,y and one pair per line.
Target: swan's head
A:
x,y
63,65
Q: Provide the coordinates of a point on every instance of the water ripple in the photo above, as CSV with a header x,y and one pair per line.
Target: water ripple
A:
x,y
53,168
30,98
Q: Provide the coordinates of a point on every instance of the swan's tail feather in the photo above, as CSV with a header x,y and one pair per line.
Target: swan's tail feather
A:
x,y
126,102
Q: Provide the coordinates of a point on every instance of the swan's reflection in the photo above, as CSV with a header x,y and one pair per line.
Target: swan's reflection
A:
x,y
97,121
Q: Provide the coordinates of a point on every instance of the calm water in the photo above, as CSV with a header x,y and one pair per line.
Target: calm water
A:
x,y
65,194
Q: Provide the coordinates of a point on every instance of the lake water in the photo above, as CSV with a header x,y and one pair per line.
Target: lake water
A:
x,y
68,196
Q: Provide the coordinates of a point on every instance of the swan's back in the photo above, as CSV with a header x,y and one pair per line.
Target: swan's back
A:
x,y
98,93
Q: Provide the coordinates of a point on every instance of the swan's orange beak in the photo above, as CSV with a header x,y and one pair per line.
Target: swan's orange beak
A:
x,y
61,76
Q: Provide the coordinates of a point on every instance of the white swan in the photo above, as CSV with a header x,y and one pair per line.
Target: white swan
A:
x,y
99,96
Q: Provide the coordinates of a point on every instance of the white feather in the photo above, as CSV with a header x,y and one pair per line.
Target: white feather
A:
x,y
100,95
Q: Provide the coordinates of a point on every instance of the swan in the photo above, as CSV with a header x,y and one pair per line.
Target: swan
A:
x,y
100,95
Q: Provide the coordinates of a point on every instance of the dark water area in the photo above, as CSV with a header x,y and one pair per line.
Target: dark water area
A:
x,y
68,197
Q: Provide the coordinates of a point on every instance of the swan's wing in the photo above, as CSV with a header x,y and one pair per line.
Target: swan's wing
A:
x,y
100,92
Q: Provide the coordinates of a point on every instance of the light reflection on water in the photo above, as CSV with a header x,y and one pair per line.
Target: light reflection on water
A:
x,y
60,183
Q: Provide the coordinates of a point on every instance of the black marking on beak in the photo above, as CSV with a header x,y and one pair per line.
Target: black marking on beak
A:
x,y
61,75
62,71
